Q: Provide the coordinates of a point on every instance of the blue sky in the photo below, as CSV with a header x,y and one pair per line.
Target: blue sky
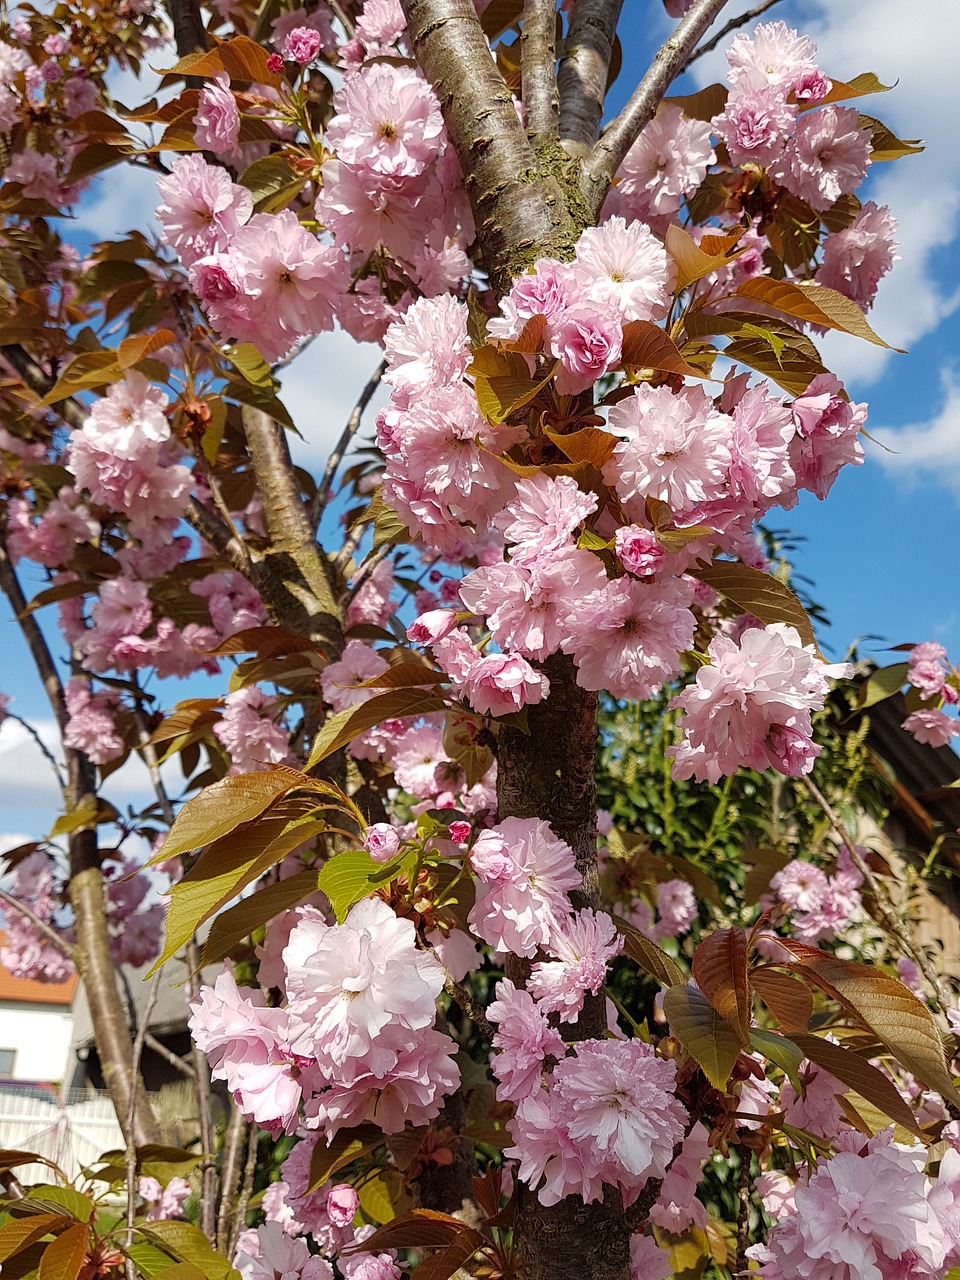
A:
x,y
881,550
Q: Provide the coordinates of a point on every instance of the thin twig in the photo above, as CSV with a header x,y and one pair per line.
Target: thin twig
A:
x,y
234,1145
732,25
367,568
159,1048
744,1191
350,544
47,753
212,529
880,895
671,57
322,495
469,1006
243,1200
41,925
131,1150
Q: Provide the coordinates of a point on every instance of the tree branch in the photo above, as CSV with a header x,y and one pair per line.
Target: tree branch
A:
x,y
161,1050
732,25
670,60
322,495
538,69
71,411
582,77
520,211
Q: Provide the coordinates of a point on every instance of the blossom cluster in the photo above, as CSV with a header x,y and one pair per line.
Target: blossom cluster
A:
x,y
818,906
939,686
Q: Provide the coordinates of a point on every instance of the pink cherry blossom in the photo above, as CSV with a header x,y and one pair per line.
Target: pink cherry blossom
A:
x,y
858,257
828,157
666,163
217,120
581,947
387,121
202,208
524,1039
341,681
931,727
381,841
624,266
543,514
755,126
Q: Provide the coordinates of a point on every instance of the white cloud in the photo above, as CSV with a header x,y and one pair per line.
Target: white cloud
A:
x,y
926,451
914,48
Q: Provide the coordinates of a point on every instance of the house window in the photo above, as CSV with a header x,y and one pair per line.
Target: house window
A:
x,y
7,1058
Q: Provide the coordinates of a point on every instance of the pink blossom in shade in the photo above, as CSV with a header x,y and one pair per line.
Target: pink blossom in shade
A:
x,y
773,55
858,257
928,673
275,63
372,603
281,1257
302,45
137,939
932,728
614,1102
248,1047
216,125
766,682
524,1038
827,434
828,157
63,525
310,1207
457,951
37,174
639,550
234,603
381,841
381,24
676,908
800,886
677,1207
269,953
944,1201
581,947
587,340
776,1190
523,874
548,290
624,266
756,126
647,1260
667,162
843,1227
415,757
527,605
249,733
79,95
340,681
677,448
347,983
342,1204
370,1266
164,1202
387,121
817,1107
201,209
217,282
543,515
429,345
275,1203
628,637
90,725
319,20
290,280
434,625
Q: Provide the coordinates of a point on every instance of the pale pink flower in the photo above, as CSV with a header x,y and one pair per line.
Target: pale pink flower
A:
x,y
773,55
320,20
429,345
827,435
372,603
524,1039
340,681
748,691
279,1256
543,514
381,841
581,946
755,126
817,1107
37,174
623,266
387,121
666,163
676,908
342,1204
856,258
677,448
347,983
415,757
677,1207
216,125
249,733
302,45
548,290
647,1260
800,886
587,340
828,157
776,1190
932,728
431,626
628,637
502,683
524,874
202,208
90,726
639,551
762,430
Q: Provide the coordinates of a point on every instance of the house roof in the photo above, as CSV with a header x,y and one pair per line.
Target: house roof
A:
x,y
27,991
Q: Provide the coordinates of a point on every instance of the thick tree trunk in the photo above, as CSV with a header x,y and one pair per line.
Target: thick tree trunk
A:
x,y
549,774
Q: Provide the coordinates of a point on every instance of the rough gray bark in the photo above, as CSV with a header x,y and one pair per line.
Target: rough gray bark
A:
x,y
582,78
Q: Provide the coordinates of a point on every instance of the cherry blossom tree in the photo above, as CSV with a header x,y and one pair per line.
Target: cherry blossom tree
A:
x,y
599,374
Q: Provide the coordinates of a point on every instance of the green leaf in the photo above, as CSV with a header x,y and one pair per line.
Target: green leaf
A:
x,y
187,1243
783,1053
753,591
232,926
271,182
902,1023
780,352
649,957
22,1232
705,1035
812,303
250,364
343,726
150,1261
78,819
74,1202
224,806
352,875
375,1200
63,1258
720,971
883,683
860,1075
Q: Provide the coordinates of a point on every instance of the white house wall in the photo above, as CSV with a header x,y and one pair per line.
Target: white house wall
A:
x,y
40,1035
